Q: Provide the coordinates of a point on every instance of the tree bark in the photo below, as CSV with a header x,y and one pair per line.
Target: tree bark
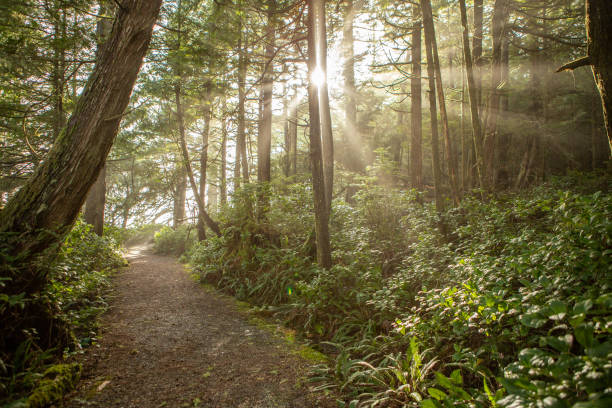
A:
x,y
599,38
324,109
430,37
477,50
223,153
425,5
207,116
180,195
293,132
94,205
43,211
46,206
264,140
316,155
498,30
473,93
241,153
416,115
352,138
202,213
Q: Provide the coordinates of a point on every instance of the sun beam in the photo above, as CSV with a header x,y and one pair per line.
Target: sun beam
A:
x,y
318,77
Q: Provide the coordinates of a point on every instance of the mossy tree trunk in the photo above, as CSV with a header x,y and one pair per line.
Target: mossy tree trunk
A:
x,y
599,36
43,211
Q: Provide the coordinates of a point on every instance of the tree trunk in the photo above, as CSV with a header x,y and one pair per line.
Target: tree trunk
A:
x,y
223,153
477,48
45,208
430,37
416,151
286,159
599,35
94,206
599,38
473,93
498,30
58,76
324,109
202,214
241,153
264,141
425,5
293,132
180,195
352,138
207,116
316,155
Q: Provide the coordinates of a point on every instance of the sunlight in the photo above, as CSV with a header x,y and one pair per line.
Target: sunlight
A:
x,y
318,77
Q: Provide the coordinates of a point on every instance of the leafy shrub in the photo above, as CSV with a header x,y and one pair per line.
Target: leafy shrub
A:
x,y
78,278
168,241
509,304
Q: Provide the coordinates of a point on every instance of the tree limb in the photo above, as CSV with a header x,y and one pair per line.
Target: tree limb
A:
x,y
580,62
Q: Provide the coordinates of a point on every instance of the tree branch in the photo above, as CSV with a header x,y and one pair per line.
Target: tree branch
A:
x,y
580,62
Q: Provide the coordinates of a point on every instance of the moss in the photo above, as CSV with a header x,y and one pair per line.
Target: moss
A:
x,y
311,355
56,382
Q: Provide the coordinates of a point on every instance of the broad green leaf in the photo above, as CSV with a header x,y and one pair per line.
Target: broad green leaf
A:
x,y
533,320
437,394
584,334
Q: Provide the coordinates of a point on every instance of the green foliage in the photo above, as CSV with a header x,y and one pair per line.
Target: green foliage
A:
x,y
168,241
511,306
57,381
79,276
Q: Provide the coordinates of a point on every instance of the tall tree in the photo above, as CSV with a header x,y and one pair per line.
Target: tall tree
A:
x,y
416,151
498,31
223,154
45,208
264,140
324,108
241,150
431,74
477,49
94,205
430,39
352,138
316,154
207,116
599,37
473,93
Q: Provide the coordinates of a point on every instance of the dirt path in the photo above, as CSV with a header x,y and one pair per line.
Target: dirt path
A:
x,y
166,342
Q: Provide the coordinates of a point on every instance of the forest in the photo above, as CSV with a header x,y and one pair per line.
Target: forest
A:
x,y
306,203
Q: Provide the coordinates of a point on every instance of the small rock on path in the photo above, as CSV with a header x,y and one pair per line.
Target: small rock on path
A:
x,y
166,342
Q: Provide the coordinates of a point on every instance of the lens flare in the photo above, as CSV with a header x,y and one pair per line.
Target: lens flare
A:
x,y
318,76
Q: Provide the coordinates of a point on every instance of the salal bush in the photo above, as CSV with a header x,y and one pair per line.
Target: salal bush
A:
x,y
81,274
79,278
527,313
504,301
175,241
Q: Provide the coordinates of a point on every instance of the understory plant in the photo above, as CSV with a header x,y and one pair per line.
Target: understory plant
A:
x,y
79,277
505,301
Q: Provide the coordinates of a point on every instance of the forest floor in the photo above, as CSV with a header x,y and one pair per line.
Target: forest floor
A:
x,y
169,342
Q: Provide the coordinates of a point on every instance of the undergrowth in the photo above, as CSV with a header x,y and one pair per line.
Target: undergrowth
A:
x,y
79,276
511,306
